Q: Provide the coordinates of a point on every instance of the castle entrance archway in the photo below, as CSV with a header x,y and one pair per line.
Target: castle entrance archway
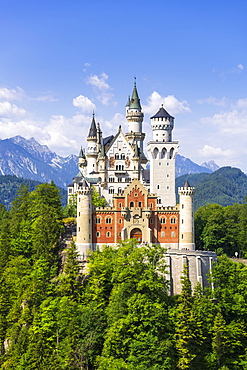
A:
x,y
136,234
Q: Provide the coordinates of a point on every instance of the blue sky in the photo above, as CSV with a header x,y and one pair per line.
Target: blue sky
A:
x,y
60,60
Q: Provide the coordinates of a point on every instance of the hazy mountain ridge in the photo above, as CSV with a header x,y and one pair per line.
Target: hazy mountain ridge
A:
x,y
226,186
29,159
186,166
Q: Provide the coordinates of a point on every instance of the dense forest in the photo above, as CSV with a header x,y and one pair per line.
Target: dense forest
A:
x,y
114,314
226,186
222,229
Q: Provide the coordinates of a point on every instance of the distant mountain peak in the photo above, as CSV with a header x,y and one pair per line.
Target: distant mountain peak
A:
x,y
211,165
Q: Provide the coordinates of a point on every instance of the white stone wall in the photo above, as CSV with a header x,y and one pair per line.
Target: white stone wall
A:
x,y
162,171
199,264
84,222
186,224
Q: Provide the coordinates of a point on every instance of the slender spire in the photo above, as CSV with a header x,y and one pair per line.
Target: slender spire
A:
x,y
92,130
135,101
81,154
102,149
128,102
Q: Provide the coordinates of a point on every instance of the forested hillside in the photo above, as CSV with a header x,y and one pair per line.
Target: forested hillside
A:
x,y
222,229
115,316
225,186
9,186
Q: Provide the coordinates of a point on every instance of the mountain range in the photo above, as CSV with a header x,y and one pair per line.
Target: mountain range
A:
x,y
29,159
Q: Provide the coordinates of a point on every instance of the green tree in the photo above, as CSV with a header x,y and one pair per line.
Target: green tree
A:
x,y
188,326
97,200
138,327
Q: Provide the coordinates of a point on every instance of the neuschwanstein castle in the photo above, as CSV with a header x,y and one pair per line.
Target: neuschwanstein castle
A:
x,y
141,201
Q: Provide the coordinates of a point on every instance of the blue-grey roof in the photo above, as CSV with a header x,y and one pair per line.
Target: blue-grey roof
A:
x,y
135,101
186,184
162,113
83,183
93,130
107,139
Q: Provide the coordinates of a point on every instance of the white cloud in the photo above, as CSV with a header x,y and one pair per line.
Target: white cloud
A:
x,y
11,94
45,97
213,101
234,70
84,103
171,104
211,152
101,86
241,103
232,122
25,128
11,110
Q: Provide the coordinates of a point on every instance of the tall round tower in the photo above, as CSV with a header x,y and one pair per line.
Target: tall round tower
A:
x,y
84,218
134,117
186,223
92,150
162,154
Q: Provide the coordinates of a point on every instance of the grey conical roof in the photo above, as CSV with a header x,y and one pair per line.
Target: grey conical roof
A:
x,y
83,183
135,101
186,184
81,154
162,113
92,130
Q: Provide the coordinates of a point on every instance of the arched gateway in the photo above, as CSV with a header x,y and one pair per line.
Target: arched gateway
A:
x,y
136,234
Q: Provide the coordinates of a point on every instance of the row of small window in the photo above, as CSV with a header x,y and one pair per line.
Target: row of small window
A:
x,y
112,191
163,234
119,179
163,154
119,156
108,220
119,167
108,234
173,220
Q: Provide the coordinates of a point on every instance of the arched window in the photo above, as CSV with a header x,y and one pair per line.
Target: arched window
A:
x,y
111,191
173,220
162,220
155,153
98,220
97,234
173,234
108,234
163,153
162,234
116,156
108,220
131,204
171,153
139,204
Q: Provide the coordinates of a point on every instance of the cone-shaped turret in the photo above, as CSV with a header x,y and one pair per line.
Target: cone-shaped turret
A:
x,y
81,154
162,113
135,101
92,131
